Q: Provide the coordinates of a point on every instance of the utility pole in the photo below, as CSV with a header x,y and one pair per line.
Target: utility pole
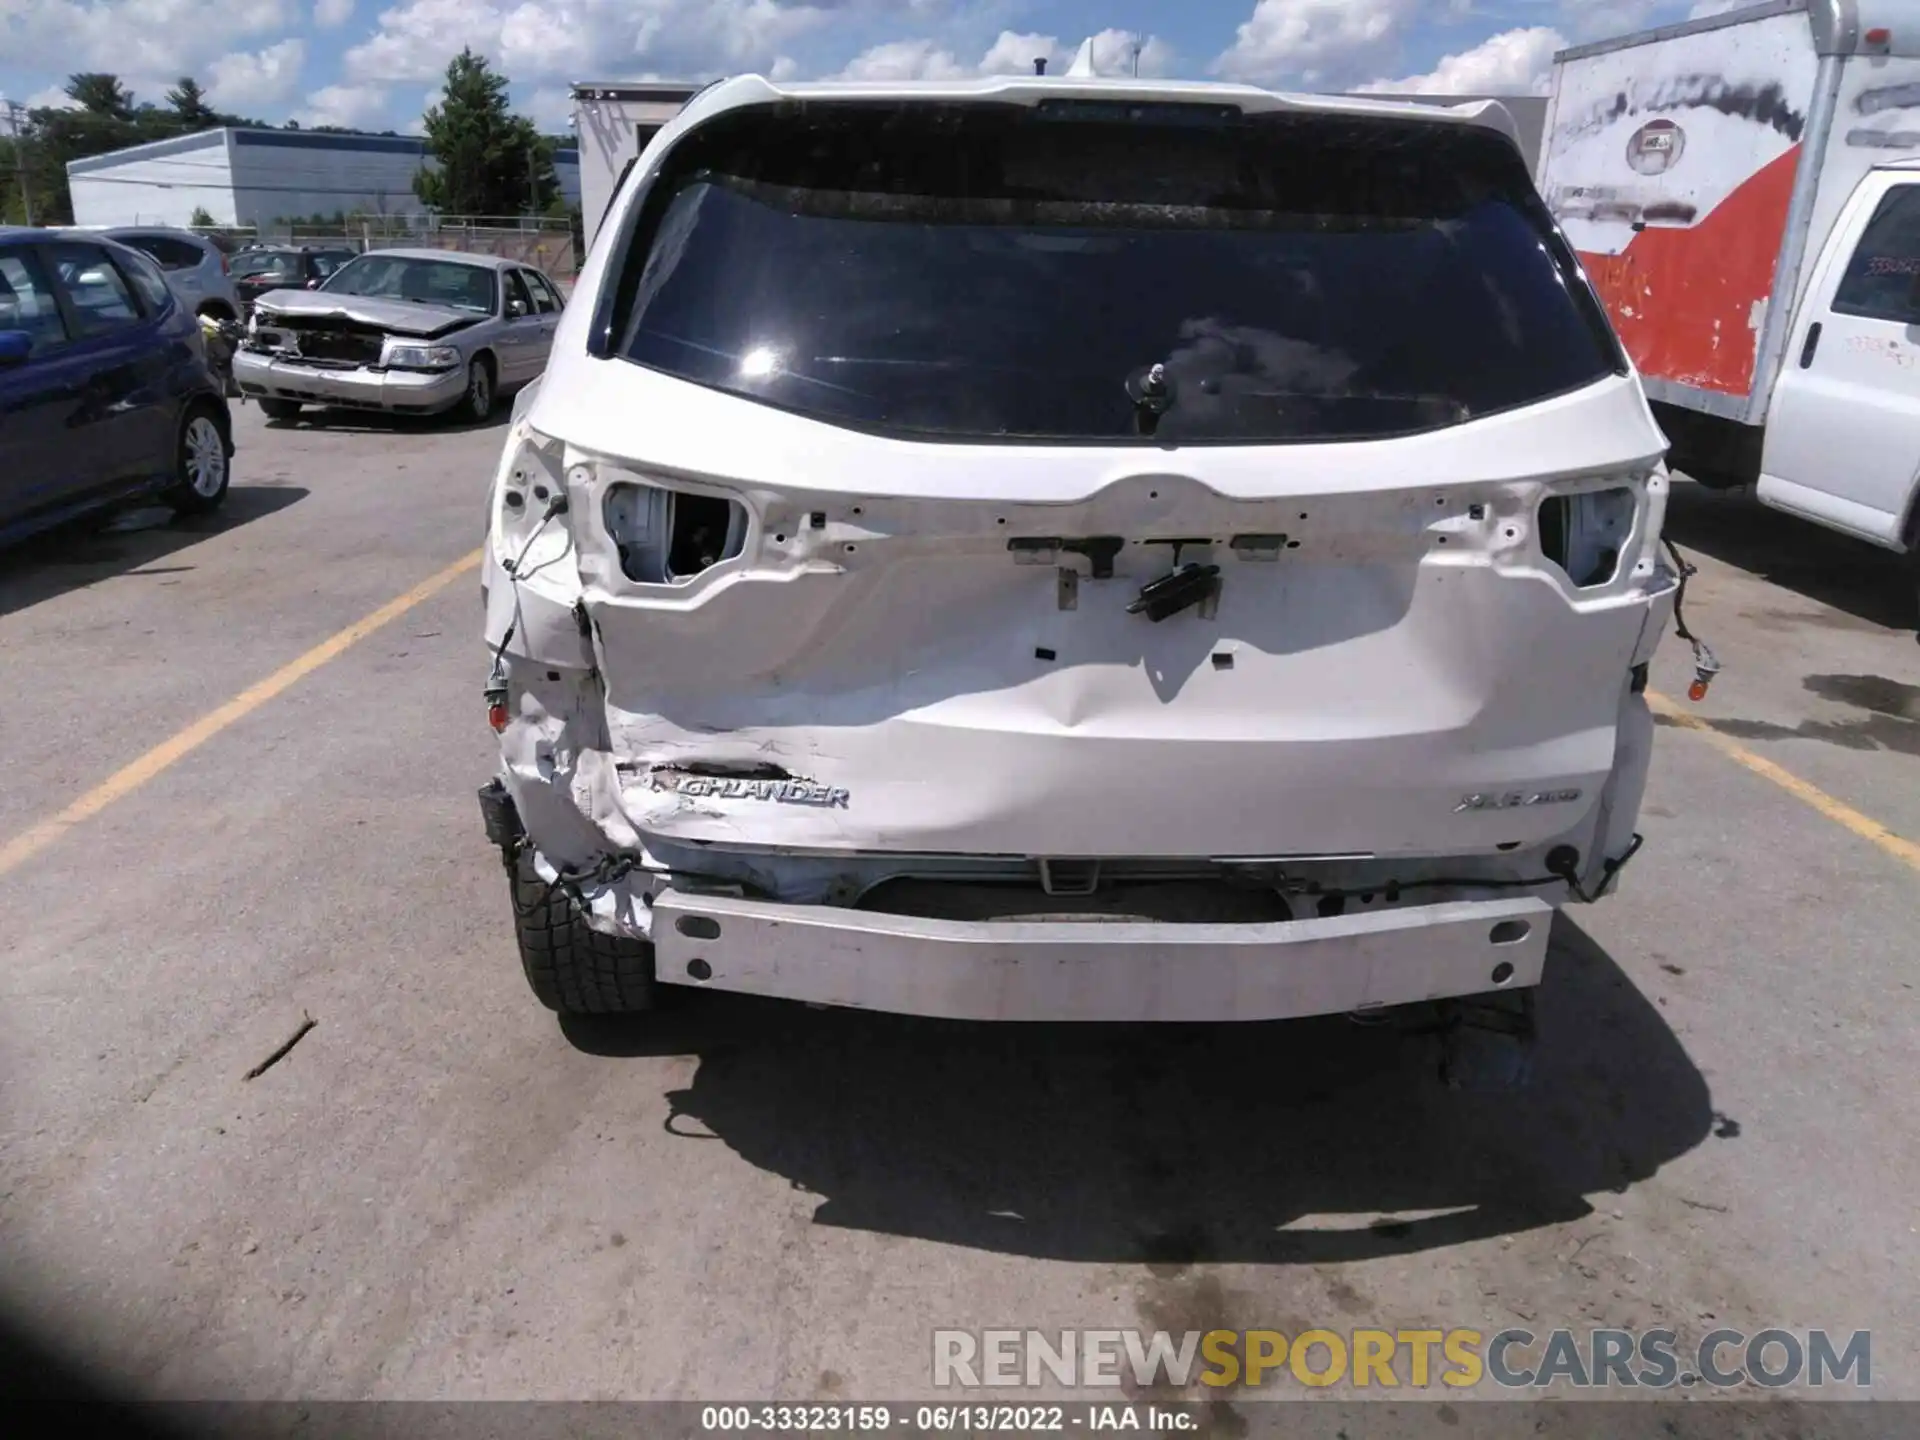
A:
x,y
17,127
1136,55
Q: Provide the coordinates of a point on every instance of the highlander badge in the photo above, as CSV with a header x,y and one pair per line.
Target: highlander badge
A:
x,y
729,787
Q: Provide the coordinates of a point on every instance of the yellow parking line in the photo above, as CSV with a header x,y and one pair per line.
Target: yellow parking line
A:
x,y
1842,814
22,848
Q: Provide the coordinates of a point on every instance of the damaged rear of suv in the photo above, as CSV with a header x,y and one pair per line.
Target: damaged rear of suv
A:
x,y
1071,550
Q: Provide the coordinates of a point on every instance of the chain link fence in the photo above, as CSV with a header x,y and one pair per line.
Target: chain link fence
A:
x,y
552,245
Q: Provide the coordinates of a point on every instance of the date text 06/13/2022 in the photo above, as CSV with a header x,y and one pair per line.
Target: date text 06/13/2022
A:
x,y
948,1419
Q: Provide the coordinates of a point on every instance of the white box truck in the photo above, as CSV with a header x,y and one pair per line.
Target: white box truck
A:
x,y
1743,190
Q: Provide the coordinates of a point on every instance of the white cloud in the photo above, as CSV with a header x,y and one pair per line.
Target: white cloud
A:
x,y
559,40
328,14
1605,19
1514,62
352,106
905,60
259,79
1322,43
1113,53
1704,8
550,107
1012,53
158,37
52,98
415,39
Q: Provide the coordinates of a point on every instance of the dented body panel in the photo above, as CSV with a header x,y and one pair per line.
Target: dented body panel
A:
x,y
1071,731
400,317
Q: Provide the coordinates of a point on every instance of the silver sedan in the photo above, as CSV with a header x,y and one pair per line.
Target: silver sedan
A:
x,y
418,331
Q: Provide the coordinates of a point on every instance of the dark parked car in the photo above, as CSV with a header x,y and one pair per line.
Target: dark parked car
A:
x,y
105,394
283,267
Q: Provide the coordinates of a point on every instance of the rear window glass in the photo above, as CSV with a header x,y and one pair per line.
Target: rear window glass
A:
x,y
995,272
101,301
272,264
147,279
26,300
171,253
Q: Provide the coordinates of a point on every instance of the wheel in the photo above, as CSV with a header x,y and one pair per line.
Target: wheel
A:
x,y
477,404
573,968
280,409
201,464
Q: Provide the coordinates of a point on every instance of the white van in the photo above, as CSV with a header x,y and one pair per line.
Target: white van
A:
x,y
1744,193
1043,549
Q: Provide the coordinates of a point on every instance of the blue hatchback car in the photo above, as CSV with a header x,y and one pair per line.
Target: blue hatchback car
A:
x,y
105,393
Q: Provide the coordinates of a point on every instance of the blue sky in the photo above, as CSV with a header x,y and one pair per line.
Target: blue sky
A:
x,y
373,62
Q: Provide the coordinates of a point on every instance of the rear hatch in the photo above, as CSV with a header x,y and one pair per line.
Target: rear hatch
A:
x,y
1002,479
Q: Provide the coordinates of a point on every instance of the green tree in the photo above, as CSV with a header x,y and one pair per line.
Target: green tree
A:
x,y
491,161
13,209
107,119
52,137
201,220
189,102
101,95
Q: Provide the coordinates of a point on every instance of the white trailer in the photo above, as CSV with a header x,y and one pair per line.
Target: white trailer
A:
x,y
614,120
1744,193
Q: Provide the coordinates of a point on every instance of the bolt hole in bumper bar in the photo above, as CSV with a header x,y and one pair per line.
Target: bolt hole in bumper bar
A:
x,y
1099,971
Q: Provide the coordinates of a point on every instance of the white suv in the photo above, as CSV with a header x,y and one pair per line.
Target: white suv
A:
x,y
1071,550
195,268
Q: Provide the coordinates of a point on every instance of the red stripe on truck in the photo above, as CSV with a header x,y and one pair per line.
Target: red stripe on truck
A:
x,y
1688,302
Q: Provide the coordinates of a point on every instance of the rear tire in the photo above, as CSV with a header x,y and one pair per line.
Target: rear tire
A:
x,y
1913,578
573,968
282,410
203,462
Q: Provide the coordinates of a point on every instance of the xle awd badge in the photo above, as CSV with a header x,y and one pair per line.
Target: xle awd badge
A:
x,y
1515,800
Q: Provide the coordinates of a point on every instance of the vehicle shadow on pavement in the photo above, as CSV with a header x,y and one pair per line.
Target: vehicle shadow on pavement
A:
x,y
1835,570
92,550
381,422
1306,1142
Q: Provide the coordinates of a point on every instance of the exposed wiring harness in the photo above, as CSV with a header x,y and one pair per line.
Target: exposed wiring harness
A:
x,y
571,880
1563,861
1705,664
496,692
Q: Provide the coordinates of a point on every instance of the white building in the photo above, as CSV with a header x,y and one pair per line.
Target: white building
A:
x,y
613,121
255,177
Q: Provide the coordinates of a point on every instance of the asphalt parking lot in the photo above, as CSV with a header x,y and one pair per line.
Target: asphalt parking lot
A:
x,y
440,1192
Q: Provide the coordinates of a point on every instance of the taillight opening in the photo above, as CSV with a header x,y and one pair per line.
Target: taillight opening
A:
x,y
667,536
1586,534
